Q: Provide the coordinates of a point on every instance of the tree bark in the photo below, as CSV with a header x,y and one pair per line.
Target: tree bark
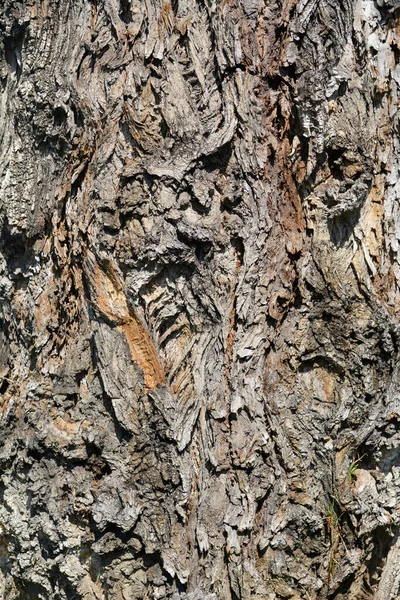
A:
x,y
199,317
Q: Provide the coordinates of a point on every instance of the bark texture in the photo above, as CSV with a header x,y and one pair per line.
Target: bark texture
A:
x,y
200,303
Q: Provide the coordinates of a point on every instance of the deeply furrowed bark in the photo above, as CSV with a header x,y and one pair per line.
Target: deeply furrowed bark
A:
x,y
199,317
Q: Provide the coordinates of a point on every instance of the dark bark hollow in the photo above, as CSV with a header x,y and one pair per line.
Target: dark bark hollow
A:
x,y
199,317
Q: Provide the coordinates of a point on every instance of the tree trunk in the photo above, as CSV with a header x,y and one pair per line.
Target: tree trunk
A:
x,y
200,302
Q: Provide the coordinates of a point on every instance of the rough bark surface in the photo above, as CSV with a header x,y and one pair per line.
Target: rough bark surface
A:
x,y
200,302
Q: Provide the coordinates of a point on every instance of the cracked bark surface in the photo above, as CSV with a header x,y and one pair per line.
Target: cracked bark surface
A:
x,y
199,316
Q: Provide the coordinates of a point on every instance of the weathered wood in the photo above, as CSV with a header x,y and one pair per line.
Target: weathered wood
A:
x,y
199,317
